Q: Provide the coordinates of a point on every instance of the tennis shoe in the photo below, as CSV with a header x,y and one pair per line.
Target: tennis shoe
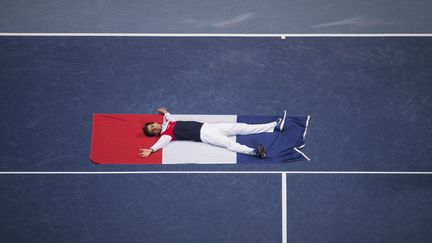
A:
x,y
260,152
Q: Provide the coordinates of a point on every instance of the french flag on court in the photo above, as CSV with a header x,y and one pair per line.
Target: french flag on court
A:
x,y
117,138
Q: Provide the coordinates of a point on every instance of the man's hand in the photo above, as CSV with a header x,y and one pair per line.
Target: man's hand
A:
x,y
163,111
144,153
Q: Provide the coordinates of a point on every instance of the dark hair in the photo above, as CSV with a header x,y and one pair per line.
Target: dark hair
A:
x,y
146,130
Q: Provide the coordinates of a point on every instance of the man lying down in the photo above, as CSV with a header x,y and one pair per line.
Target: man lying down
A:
x,y
216,134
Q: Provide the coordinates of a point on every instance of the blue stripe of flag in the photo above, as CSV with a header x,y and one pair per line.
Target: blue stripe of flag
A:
x,y
279,145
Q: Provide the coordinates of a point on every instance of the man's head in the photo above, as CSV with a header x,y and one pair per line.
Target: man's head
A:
x,y
152,129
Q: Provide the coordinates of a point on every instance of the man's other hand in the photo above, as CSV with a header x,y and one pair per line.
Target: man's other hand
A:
x,y
144,153
163,111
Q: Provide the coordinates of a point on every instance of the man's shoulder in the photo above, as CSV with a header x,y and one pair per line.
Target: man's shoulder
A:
x,y
168,127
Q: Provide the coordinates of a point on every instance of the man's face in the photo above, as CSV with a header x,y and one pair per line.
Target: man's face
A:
x,y
154,128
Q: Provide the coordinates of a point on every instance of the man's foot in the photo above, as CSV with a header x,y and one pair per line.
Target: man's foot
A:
x,y
280,123
260,151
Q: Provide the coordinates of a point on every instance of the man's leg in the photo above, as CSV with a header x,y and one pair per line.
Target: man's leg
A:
x,y
232,129
212,135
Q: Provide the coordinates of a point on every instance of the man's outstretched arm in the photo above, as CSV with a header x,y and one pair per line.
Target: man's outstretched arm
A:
x,y
162,142
166,114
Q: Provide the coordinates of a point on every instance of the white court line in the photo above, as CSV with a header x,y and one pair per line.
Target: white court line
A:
x,y
281,35
284,208
214,172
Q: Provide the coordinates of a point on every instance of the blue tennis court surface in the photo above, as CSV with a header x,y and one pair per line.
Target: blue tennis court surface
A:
x,y
369,98
223,16
137,208
217,207
369,139
359,208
